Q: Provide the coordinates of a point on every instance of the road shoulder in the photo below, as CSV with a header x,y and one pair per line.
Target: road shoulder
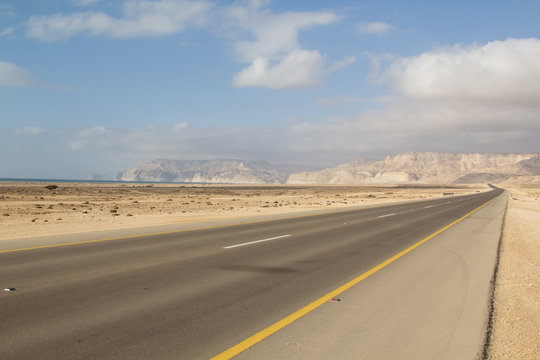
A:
x,y
432,303
516,322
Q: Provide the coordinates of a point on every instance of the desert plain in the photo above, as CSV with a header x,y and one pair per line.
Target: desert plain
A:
x,y
35,209
30,209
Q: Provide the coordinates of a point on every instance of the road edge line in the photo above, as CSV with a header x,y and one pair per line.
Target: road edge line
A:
x,y
263,334
488,337
324,212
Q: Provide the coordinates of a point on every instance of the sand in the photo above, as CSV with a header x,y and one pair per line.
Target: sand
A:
x,y
30,209
516,324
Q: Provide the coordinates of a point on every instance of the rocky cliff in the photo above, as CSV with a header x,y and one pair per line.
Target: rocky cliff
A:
x,y
209,171
407,168
431,168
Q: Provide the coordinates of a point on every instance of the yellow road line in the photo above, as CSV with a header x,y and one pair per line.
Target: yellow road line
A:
x,y
171,232
175,231
263,334
142,235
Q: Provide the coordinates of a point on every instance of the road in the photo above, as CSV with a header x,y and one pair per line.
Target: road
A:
x,y
194,294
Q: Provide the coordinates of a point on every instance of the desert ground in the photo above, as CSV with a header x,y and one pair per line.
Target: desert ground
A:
x,y
32,209
516,319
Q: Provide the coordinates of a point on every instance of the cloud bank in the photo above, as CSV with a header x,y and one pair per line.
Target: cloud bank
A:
x,y
499,72
460,98
430,113
140,18
403,126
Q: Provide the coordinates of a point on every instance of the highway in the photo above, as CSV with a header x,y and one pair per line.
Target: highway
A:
x,y
194,294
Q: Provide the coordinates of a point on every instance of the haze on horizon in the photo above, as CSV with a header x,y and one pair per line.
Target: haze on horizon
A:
x,y
94,86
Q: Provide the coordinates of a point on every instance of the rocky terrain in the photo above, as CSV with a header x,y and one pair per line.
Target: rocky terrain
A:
x,y
34,209
430,168
210,172
407,168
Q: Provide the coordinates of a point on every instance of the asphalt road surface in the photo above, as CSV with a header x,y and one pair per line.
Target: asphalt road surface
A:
x,y
194,294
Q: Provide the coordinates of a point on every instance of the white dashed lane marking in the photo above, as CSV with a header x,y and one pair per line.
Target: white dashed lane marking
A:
x,y
256,241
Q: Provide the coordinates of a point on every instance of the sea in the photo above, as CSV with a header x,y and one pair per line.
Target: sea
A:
x,y
30,180
84,181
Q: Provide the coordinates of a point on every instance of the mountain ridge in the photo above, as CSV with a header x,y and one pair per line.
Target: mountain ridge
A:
x,y
428,167
404,168
233,171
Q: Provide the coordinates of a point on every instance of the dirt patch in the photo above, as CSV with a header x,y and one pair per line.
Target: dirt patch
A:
x,y
34,209
516,320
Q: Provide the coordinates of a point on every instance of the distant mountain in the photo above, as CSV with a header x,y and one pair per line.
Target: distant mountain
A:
x,y
211,171
430,168
406,168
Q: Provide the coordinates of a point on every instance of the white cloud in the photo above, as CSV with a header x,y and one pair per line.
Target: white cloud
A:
x,y
301,69
342,63
93,131
7,31
179,127
292,119
497,73
377,28
265,40
76,144
78,140
85,2
276,35
140,18
30,130
298,70
405,125
14,76
345,100
420,126
276,58
478,98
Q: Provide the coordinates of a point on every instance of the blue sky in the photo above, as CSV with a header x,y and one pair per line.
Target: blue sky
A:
x,y
90,86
